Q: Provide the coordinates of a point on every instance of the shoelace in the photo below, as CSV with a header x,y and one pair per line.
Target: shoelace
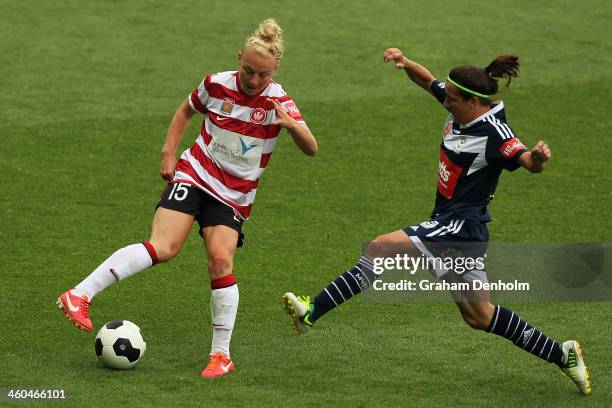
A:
x,y
85,306
571,359
215,362
304,299
572,363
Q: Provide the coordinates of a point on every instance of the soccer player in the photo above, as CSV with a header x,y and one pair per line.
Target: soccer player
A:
x,y
214,183
477,144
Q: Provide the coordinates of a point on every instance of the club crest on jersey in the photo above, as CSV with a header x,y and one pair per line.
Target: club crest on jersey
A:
x,y
461,142
258,116
227,106
447,129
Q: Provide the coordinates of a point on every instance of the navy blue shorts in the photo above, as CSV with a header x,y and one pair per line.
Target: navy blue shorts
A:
x,y
450,238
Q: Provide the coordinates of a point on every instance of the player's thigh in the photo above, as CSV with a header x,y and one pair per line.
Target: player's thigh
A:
x,y
220,242
391,244
169,231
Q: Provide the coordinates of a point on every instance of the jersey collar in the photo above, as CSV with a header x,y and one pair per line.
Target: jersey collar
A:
x,y
498,106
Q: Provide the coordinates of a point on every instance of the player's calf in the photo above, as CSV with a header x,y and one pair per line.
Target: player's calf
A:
x,y
477,315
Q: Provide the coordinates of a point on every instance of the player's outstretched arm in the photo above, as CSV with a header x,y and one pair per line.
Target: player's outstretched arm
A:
x,y
300,133
418,73
177,129
534,159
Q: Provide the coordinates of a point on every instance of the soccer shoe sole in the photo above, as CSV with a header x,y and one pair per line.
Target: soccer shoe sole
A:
x,y
587,376
295,320
78,325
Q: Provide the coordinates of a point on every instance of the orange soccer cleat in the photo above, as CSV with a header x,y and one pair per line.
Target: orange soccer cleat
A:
x,y
76,310
219,364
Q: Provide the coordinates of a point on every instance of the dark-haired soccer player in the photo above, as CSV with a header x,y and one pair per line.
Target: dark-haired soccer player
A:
x,y
477,144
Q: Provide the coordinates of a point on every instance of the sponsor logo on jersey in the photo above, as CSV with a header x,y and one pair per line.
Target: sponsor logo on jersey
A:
x,y
258,116
443,173
235,150
292,108
510,148
227,106
246,147
448,175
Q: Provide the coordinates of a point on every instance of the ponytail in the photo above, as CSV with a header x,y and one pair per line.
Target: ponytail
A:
x,y
504,66
482,82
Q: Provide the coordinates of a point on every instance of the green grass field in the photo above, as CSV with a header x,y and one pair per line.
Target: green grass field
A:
x,y
88,90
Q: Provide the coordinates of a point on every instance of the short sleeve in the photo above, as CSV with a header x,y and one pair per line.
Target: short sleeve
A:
x,y
437,89
291,107
503,147
199,97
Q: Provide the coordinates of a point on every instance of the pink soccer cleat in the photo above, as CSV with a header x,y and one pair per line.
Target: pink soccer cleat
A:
x,y
76,310
219,364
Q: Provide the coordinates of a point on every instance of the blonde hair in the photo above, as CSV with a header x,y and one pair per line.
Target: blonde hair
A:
x,y
267,39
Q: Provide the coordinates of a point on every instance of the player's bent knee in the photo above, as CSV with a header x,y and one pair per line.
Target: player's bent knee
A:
x,y
473,323
386,245
166,251
376,247
219,266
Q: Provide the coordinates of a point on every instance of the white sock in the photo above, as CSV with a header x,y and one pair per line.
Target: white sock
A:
x,y
223,308
120,265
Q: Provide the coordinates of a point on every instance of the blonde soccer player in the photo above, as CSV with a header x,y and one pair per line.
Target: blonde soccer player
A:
x,y
214,182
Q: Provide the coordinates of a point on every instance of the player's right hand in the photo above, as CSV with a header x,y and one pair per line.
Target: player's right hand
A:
x,y
168,165
396,55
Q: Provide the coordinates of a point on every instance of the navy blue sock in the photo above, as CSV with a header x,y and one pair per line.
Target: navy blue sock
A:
x,y
509,325
350,283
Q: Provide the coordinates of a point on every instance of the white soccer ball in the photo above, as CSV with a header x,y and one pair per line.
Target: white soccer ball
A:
x,y
119,344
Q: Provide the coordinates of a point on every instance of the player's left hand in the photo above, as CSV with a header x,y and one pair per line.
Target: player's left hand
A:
x,y
282,117
540,153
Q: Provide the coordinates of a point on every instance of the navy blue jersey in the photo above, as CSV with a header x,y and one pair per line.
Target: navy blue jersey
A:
x,y
472,157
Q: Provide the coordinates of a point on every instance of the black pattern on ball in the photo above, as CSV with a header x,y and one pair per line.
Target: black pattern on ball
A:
x,y
99,347
123,347
114,324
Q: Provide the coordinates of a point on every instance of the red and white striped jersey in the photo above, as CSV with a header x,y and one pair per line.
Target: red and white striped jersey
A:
x,y
236,140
